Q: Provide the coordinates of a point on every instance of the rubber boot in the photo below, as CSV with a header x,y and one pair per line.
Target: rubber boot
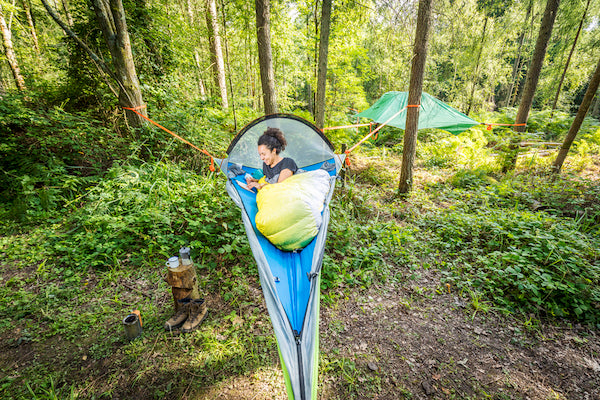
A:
x,y
180,316
197,313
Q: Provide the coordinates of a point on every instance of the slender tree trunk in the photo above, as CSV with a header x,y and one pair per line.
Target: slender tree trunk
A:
x,y
583,109
229,74
111,17
533,74
201,86
65,6
476,69
10,53
596,107
414,96
188,9
322,72
511,97
216,52
34,37
517,62
562,78
265,59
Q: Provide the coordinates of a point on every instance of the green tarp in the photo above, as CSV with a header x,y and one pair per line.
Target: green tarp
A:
x,y
432,114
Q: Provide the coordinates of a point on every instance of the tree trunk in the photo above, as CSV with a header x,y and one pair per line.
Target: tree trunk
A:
x,y
476,69
533,74
216,52
65,6
34,37
562,78
10,53
322,72
265,59
111,17
517,64
184,283
201,86
414,96
596,107
583,109
229,74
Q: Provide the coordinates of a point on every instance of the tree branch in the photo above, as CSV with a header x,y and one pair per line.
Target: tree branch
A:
x,y
97,60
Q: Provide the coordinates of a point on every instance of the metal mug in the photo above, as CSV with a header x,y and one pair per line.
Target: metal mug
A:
x,y
173,262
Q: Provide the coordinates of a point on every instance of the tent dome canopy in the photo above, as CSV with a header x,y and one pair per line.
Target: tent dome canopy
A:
x,y
306,144
433,113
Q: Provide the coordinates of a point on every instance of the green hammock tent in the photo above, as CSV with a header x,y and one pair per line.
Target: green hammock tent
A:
x,y
432,114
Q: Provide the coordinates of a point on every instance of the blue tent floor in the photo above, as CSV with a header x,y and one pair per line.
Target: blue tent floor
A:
x,y
290,269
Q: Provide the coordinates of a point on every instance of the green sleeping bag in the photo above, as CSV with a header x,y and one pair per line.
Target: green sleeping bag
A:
x,y
289,213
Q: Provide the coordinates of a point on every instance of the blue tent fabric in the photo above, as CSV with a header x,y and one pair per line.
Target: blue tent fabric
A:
x,y
290,280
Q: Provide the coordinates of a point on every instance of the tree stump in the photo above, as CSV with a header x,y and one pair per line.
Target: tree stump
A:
x,y
184,283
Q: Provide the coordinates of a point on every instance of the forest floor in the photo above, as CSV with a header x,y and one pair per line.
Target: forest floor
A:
x,y
411,341
412,338
417,342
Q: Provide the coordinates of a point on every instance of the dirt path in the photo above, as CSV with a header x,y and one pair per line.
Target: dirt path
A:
x,y
410,342
430,348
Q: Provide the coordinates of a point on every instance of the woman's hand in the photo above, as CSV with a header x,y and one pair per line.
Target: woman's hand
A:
x,y
254,184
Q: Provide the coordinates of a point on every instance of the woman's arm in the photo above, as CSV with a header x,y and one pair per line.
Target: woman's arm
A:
x,y
284,174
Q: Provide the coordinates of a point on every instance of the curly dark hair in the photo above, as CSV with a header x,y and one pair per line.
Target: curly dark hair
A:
x,y
273,138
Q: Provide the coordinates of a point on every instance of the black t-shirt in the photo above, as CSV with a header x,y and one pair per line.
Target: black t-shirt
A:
x,y
272,174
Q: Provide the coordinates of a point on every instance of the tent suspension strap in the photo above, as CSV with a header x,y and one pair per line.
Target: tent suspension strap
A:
x,y
212,159
489,125
330,128
378,128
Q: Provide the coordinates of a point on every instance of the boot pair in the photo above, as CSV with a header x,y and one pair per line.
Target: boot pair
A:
x,y
189,316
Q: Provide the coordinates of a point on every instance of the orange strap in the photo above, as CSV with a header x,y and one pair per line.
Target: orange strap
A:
x,y
489,125
212,160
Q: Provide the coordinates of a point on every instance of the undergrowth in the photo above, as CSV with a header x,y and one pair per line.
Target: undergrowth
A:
x,y
75,241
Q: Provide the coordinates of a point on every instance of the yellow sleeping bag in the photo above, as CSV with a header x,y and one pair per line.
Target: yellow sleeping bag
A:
x,y
289,213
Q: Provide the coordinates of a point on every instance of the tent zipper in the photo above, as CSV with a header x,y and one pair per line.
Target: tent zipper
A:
x,y
300,366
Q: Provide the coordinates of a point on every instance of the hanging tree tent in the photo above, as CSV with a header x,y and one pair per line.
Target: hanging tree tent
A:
x,y
290,280
433,113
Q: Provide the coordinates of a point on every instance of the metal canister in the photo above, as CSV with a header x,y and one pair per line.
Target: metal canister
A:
x,y
133,325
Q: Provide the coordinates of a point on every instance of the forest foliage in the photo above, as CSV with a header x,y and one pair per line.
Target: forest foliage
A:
x,y
97,192
87,202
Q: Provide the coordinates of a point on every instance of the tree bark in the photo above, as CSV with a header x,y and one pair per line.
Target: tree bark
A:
x,y
111,17
184,283
265,59
562,78
216,51
65,6
533,74
517,63
322,71
583,109
201,86
414,96
10,53
229,74
34,37
476,69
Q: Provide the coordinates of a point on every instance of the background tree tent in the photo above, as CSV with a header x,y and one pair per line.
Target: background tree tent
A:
x,y
290,280
433,113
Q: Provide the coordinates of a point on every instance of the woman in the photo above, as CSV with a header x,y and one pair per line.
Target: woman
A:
x,y
276,168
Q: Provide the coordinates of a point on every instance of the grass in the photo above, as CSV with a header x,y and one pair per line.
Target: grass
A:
x,y
76,260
